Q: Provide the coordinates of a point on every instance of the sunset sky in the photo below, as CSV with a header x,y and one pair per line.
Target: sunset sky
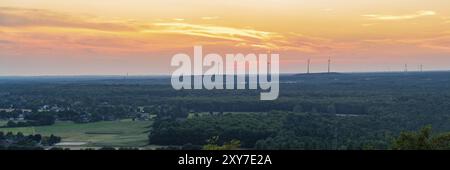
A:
x,y
139,37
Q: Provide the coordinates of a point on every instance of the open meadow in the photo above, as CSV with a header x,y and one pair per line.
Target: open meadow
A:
x,y
122,133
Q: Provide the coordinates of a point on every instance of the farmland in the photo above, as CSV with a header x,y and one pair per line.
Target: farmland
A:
x,y
121,133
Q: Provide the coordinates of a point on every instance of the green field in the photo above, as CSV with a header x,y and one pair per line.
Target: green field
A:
x,y
123,133
191,115
3,122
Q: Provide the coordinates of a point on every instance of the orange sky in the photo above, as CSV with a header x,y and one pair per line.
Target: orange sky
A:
x,y
79,37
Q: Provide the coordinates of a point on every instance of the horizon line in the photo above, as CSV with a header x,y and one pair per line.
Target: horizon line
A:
x,y
164,75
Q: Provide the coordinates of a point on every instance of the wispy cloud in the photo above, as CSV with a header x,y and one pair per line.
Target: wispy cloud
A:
x,y
418,14
31,30
210,18
221,32
44,29
20,17
437,42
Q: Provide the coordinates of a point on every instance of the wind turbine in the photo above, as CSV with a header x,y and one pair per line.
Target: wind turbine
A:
x,y
329,65
308,66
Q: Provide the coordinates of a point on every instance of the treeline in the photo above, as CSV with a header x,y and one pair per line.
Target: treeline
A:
x,y
33,119
275,130
10,141
318,131
423,139
248,128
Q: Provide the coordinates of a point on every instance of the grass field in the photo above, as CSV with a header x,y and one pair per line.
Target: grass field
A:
x,y
123,133
191,115
3,122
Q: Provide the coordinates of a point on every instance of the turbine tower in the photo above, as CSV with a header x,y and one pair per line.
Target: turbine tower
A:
x,y
329,65
308,65
268,63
